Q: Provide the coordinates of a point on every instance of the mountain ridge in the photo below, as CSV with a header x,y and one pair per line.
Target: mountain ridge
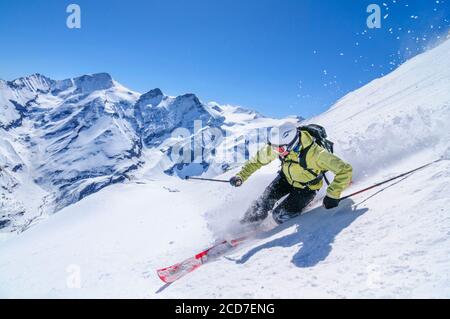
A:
x,y
79,135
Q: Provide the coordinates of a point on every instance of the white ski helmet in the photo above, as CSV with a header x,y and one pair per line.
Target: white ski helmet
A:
x,y
284,135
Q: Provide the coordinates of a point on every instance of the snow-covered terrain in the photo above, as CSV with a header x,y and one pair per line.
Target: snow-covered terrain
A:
x,y
390,242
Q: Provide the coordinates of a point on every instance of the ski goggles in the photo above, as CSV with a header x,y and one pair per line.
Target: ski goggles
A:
x,y
284,150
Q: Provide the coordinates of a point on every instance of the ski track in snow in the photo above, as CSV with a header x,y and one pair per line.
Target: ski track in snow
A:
x,y
391,242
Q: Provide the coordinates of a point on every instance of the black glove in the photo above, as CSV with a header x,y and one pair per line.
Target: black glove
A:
x,y
330,203
236,181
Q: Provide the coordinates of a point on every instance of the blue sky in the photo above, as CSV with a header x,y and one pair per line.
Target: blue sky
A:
x,y
278,57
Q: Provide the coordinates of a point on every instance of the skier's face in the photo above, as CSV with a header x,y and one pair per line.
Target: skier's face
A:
x,y
281,150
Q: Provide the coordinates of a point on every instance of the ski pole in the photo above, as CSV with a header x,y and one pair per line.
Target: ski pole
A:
x,y
390,180
207,179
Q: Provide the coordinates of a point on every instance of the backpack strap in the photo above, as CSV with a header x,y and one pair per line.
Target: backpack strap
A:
x,y
313,182
302,156
326,178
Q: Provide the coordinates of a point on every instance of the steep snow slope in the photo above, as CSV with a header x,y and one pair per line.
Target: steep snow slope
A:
x,y
396,116
390,242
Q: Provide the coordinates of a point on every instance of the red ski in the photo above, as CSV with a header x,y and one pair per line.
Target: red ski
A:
x,y
175,272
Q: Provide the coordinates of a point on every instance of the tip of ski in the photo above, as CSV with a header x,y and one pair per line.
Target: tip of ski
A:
x,y
171,274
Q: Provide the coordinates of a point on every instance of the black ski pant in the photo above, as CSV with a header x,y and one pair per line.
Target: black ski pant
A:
x,y
297,200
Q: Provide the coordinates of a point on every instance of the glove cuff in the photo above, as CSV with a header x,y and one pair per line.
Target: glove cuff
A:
x,y
333,196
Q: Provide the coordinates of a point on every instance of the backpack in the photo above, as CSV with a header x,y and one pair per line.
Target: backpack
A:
x,y
320,136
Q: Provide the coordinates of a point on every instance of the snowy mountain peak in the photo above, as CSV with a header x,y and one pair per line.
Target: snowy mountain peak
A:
x,y
191,99
153,93
94,82
151,98
34,83
38,83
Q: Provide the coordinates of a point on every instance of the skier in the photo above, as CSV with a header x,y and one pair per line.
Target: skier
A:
x,y
304,164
